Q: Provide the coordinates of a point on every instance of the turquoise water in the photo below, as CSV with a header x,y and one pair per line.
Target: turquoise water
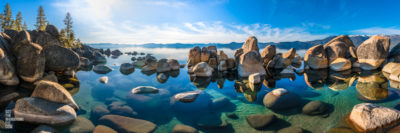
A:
x,y
157,108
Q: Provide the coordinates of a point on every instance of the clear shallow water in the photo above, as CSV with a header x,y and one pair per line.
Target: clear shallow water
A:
x,y
158,109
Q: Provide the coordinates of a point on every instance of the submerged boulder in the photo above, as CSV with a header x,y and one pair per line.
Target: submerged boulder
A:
x,y
373,52
260,121
315,108
367,117
186,97
127,125
80,125
281,99
316,57
54,92
103,129
37,110
179,128
60,59
144,90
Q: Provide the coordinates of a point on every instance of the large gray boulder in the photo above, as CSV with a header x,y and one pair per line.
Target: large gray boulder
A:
x,y
37,110
268,53
369,117
163,66
316,57
8,76
286,59
60,59
279,99
52,30
202,69
250,63
30,61
373,52
250,44
124,124
44,38
54,92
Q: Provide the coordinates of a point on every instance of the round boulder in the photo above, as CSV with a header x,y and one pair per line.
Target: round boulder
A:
x,y
260,121
373,52
279,99
102,69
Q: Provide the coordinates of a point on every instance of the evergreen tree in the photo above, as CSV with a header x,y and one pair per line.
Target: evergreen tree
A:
x,y
68,25
13,25
25,26
6,19
18,22
41,20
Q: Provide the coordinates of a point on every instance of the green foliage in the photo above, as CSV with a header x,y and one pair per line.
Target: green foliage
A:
x,y
67,36
41,20
18,22
6,18
25,26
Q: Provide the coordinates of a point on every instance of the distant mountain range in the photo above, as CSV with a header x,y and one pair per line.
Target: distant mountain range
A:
x,y
357,40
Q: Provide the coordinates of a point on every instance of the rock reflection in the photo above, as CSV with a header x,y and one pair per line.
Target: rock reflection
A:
x,y
200,82
316,78
72,84
248,89
340,80
372,86
162,77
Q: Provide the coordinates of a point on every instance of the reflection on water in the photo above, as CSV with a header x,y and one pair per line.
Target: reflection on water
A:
x,y
221,96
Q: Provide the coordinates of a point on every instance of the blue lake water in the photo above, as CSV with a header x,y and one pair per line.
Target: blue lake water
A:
x,y
157,108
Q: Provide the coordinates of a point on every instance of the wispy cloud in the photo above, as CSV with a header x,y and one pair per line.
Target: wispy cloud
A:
x,y
106,21
378,30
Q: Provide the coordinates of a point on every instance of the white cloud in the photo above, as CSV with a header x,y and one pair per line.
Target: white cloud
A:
x,y
100,21
378,30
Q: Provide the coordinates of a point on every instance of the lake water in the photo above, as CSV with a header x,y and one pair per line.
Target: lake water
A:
x,y
336,89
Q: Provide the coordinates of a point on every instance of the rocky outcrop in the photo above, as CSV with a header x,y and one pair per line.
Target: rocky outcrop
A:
x,y
54,92
250,44
250,63
316,57
8,75
268,54
202,69
367,117
194,56
127,125
60,59
373,52
36,110
286,59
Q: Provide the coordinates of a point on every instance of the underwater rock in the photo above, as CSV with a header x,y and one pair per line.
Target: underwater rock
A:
x,y
316,78
127,125
81,125
291,129
103,79
367,117
122,110
60,59
186,97
53,92
98,111
144,90
126,68
102,69
162,77
103,129
281,99
315,108
373,52
36,110
211,121
202,69
179,128
260,121
43,129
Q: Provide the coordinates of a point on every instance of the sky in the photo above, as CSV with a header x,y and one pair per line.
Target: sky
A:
x,y
214,21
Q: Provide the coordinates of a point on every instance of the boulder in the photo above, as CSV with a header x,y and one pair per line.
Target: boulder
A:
x,y
99,58
122,110
179,128
231,64
291,129
174,64
186,97
395,76
279,99
36,110
54,92
103,79
250,63
315,108
221,56
126,68
268,53
336,49
286,59
250,44
260,121
30,61
163,66
102,69
127,125
373,52
202,69
60,59
255,78
211,121
205,54
342,38
52,30
44,38
194,56
340,64
391,67
367,117
98,111
297,60
144,90
84,61
103,129
8,75
116,52
81,125
213,51
394,55
223,66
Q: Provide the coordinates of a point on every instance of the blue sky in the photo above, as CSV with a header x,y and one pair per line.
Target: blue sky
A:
x,y
214,21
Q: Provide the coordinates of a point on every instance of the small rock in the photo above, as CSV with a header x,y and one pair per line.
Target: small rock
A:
x,y
103,79
260,121
179,128
43,129
103,129
186,97
102,69
127,125
144,89
291,129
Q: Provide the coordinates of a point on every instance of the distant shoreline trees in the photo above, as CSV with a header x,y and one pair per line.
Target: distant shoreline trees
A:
x,y
67,36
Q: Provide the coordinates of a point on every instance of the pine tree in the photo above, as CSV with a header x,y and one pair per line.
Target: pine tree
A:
x,y
6,21
41,20
68,25
18,22
63,38
25,26
13,25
